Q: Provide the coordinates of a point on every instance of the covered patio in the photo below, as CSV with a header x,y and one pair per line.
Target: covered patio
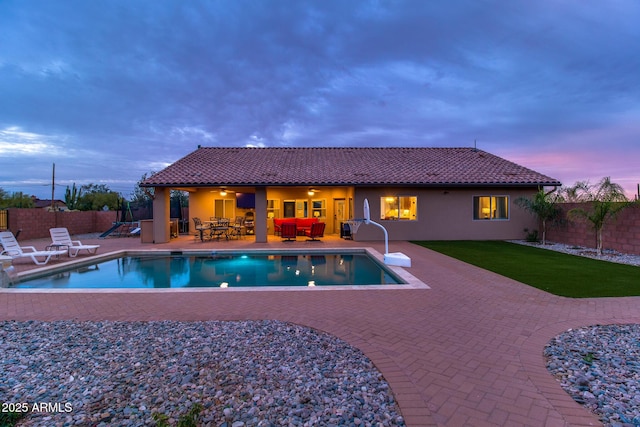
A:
x,y
262,208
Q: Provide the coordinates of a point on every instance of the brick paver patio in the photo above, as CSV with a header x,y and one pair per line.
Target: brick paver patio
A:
x,y
467,352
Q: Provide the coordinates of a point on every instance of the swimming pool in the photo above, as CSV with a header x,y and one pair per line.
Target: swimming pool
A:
x,y
228,269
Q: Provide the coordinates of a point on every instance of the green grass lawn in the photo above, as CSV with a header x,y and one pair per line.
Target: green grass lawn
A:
x,y
554,272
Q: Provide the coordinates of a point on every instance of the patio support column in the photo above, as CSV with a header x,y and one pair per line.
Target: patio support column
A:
x,y
260,229
161,215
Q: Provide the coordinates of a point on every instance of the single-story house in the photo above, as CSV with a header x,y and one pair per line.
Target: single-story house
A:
x,y
416,193
47,204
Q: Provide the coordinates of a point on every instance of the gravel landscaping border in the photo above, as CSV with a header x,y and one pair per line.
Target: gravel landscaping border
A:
x,y
247,373
607,254
599,366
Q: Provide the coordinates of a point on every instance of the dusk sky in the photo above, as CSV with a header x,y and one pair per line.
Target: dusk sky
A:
x,y
111,90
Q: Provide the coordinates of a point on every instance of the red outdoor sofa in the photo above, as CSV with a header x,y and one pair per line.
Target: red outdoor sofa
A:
x,y
302,224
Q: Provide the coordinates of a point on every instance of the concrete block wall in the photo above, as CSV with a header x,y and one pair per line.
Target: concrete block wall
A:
x,y
35,223
621,234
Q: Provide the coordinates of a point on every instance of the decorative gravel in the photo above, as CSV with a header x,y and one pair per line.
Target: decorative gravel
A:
x,y
599,366
607,254
251,373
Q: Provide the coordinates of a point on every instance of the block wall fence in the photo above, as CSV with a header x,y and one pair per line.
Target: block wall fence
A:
x,y
35,223
621,234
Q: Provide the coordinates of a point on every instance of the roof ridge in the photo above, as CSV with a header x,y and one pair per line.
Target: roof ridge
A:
x,y
343,148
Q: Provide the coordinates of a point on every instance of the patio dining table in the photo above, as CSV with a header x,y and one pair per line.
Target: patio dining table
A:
x,y
219,228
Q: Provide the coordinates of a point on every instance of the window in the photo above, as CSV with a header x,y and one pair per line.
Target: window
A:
x,y
398,208
318,208
490,207
273,210
296,208
224,208
302,209
289,209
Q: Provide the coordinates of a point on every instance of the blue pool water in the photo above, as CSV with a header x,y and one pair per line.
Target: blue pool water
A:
x,y
220,271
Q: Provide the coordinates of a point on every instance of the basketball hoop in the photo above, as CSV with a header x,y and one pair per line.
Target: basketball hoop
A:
x,y
354,224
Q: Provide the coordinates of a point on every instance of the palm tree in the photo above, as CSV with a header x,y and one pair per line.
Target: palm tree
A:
x,y
605,200
544,206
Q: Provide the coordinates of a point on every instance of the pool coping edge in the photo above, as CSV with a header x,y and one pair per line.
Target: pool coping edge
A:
x,y
411,282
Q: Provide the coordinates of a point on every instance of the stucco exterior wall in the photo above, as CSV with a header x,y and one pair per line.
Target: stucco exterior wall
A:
x,y
201,205
445,214
442,214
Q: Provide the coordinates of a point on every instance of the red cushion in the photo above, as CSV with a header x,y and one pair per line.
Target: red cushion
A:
x,y
301,223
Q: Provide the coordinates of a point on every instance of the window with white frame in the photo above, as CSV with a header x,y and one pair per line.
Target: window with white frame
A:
x,y
302,208
401,208
273,208
319,208
296,208
224,208
490,207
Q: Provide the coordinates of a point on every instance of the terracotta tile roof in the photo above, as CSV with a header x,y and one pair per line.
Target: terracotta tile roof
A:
x,y
45,203
345,166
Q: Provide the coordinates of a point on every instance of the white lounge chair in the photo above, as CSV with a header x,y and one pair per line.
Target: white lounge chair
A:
x,y
60,237
14,250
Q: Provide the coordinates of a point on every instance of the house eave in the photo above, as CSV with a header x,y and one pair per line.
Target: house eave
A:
x,y
190,186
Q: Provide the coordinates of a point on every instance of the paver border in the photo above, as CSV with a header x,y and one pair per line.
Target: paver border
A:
x,y
425,342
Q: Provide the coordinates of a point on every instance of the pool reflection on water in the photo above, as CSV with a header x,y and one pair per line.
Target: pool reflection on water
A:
x,y
221,271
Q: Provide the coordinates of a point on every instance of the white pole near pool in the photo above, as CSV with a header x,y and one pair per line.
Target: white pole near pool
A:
x,y
367,220
396,258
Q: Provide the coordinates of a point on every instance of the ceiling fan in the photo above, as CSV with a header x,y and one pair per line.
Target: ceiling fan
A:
x,y
223,191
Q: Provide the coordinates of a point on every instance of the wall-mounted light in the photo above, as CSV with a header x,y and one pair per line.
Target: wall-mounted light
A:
x,y
310,192
223,192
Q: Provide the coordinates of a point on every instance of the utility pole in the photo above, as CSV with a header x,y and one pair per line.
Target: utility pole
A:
x,y
53,186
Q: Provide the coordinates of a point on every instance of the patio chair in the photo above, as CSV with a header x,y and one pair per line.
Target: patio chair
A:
x,y
60,237
14,250
316,230
200,228
235,229
220,229
289,230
